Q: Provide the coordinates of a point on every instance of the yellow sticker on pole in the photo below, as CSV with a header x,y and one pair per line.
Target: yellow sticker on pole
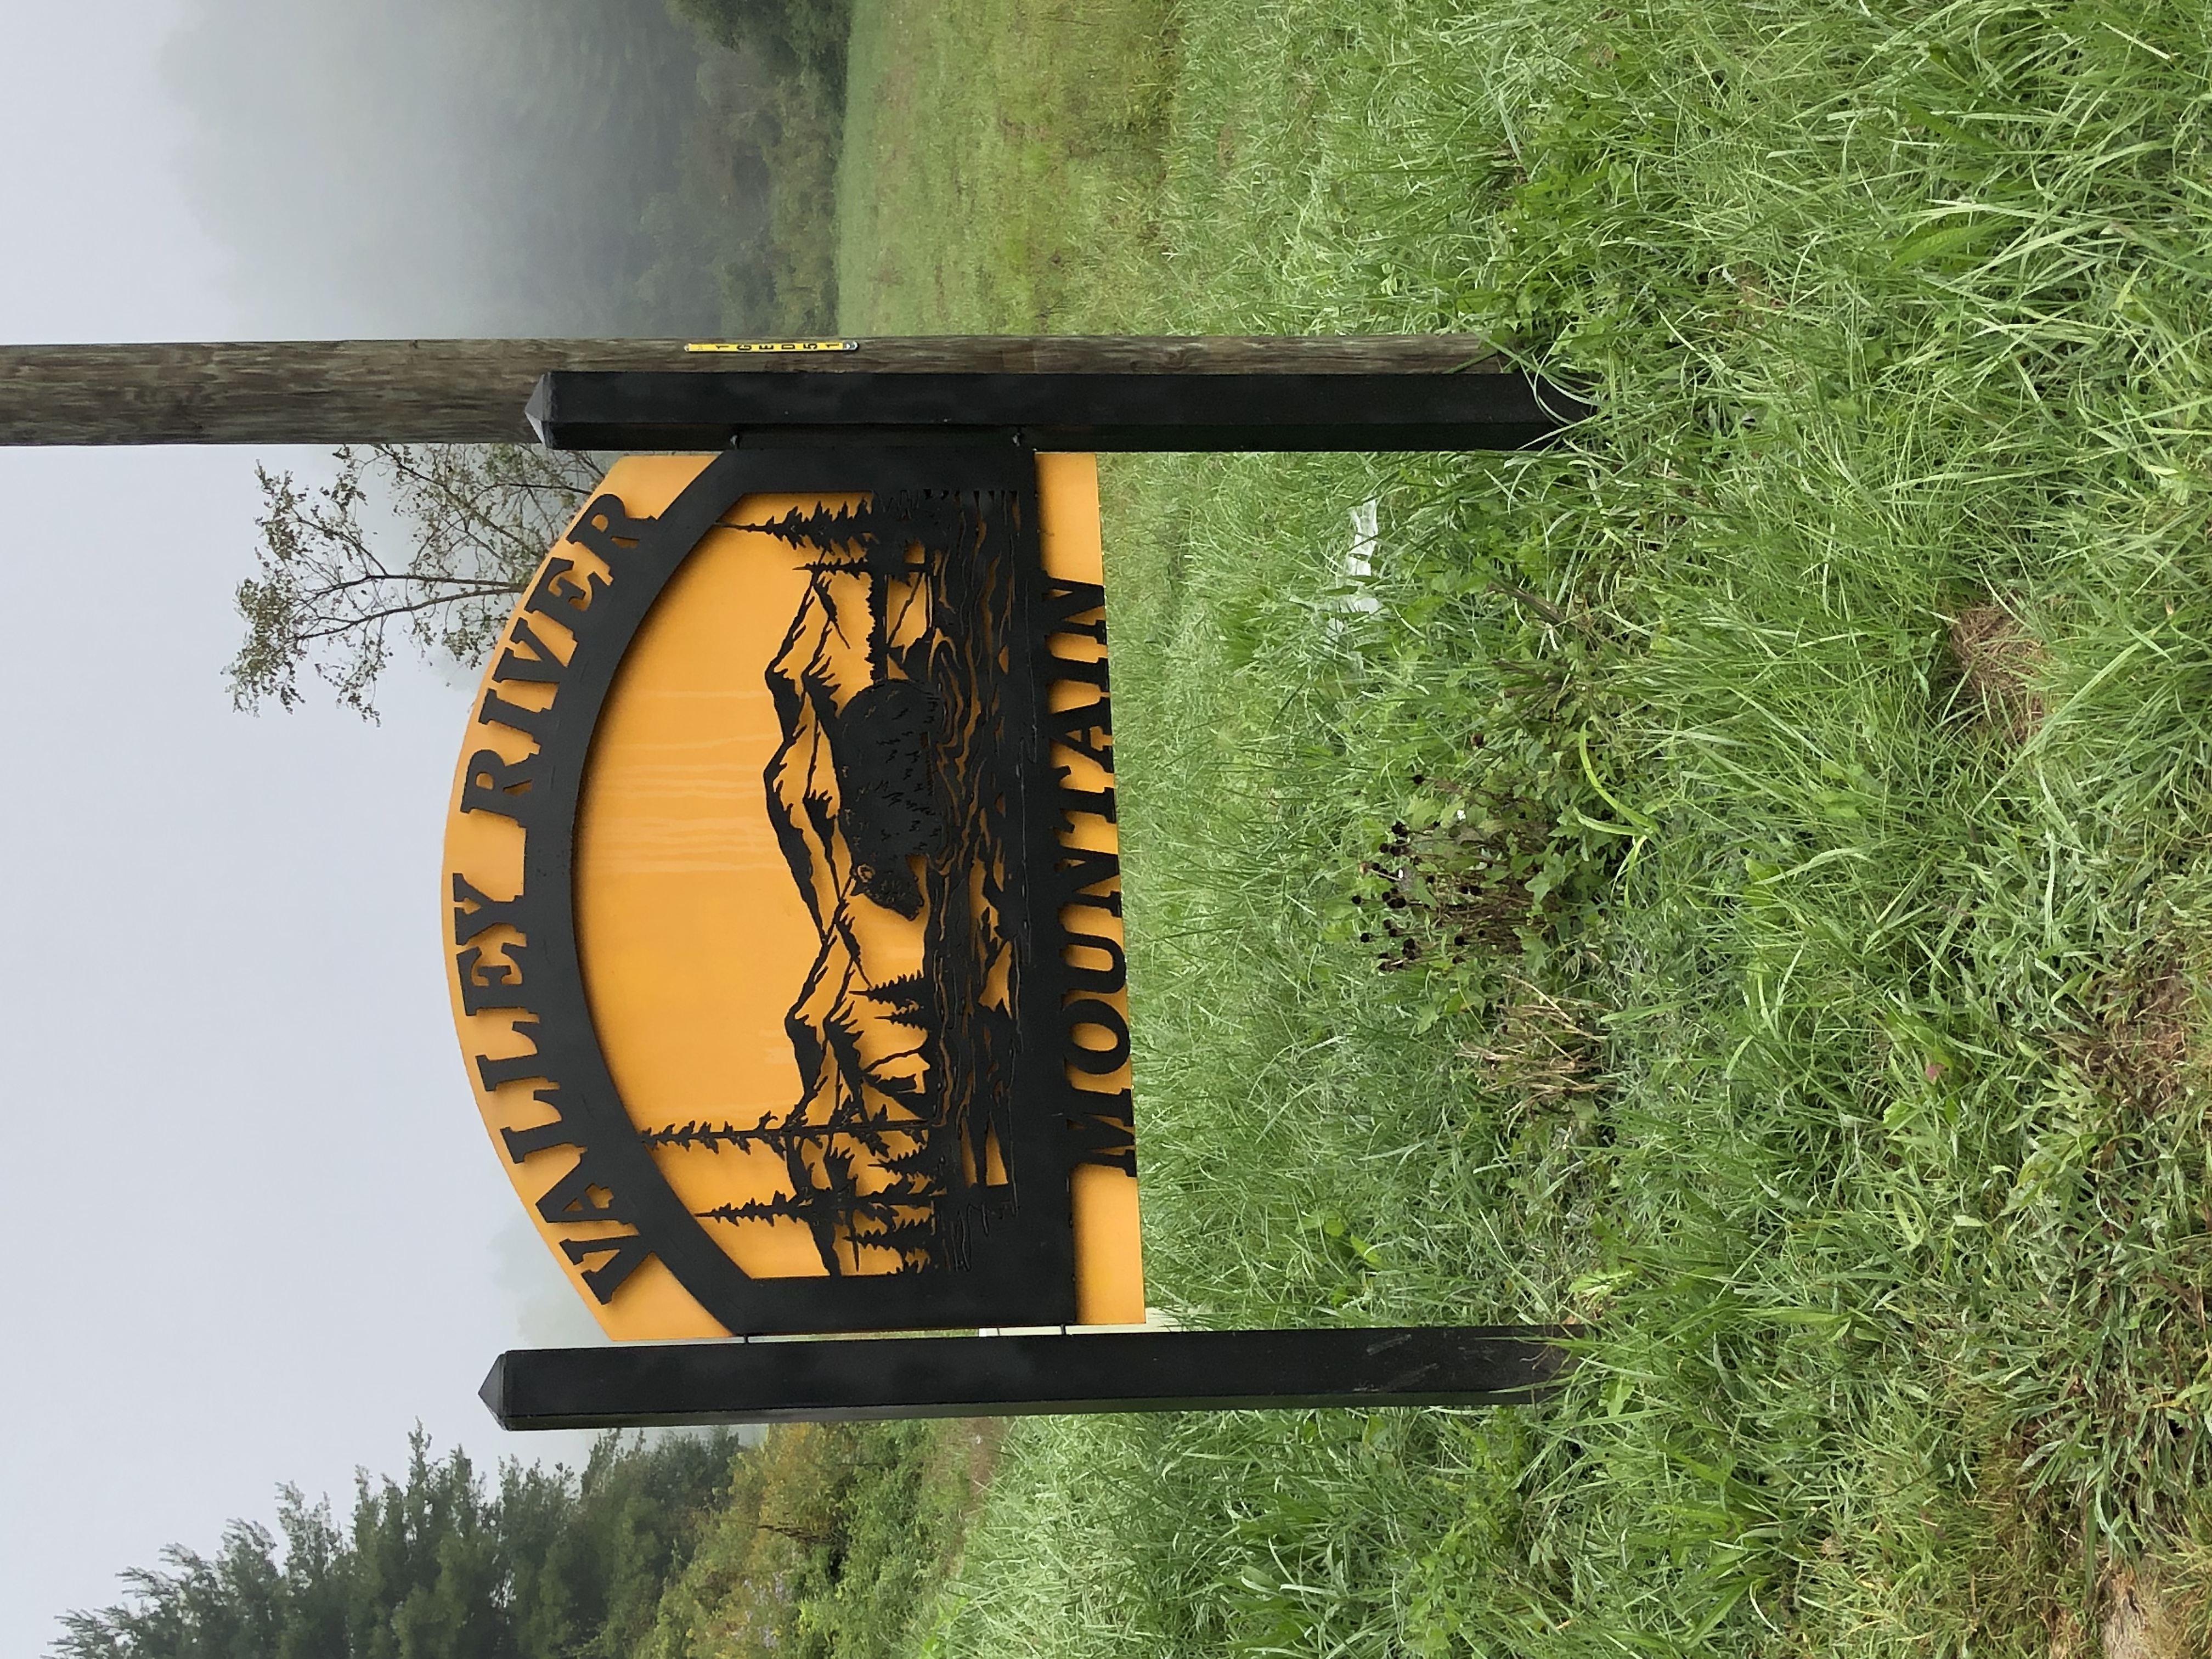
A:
x,y
762,347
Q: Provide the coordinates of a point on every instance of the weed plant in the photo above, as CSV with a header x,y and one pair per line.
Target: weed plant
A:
x,y
823,1543
1830,715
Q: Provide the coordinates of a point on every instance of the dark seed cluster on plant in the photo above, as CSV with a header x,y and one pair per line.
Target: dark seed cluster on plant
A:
x,y
1454,887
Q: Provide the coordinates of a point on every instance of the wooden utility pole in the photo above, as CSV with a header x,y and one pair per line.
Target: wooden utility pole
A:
x,y
326,391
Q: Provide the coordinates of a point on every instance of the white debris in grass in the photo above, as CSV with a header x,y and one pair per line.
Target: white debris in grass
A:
x,y
1359,557
1355,570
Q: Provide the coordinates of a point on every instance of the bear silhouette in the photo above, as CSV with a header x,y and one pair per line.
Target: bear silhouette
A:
x,y
887,807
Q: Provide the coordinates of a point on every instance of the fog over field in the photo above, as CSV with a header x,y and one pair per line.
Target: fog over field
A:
x,y
446,167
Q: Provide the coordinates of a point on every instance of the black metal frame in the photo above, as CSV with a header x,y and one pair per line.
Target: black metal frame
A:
x,y
938,431
1015,1249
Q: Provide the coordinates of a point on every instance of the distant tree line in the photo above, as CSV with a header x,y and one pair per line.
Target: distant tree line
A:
x,y
438,1565
753,206
803,37
822,1543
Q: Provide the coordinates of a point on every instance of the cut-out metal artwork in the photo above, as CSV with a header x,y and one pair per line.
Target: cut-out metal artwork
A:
x,y
918,883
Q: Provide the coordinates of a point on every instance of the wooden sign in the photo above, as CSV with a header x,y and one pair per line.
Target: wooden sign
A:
x,y
783,909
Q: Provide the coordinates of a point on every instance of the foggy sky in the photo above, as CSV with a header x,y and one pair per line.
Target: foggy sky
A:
x,y
439,166
258,1230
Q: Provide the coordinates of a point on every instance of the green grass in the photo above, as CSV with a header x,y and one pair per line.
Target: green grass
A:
x,y
1835,870
1001,163
827,1541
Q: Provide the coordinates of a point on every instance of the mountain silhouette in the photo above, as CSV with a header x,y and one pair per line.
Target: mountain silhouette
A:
x,y
888,793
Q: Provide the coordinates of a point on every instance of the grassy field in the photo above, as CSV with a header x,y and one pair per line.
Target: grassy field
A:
x,y
960,109
1781,810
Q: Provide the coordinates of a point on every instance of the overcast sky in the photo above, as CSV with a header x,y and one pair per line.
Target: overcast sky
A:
x,y
257,1231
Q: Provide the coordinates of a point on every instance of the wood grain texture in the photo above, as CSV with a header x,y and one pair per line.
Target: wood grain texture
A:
x,y
328,392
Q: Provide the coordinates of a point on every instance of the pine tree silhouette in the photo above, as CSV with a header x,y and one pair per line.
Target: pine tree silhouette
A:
x,y
818,526
941,598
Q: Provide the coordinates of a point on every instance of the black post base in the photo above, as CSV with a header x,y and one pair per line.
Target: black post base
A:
x,y
843,1380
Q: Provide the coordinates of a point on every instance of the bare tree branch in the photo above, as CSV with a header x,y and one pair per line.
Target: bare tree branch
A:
x,y
477,520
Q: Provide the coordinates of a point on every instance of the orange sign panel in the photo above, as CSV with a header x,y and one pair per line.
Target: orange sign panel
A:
x,y
784,913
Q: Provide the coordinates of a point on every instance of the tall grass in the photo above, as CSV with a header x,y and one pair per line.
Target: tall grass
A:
x,y
1829,1038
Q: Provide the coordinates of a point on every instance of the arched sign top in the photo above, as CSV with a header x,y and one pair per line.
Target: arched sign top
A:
x,y
784,910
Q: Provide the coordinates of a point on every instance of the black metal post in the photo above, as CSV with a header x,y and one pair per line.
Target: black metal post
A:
x,y
842,1380
1103,410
